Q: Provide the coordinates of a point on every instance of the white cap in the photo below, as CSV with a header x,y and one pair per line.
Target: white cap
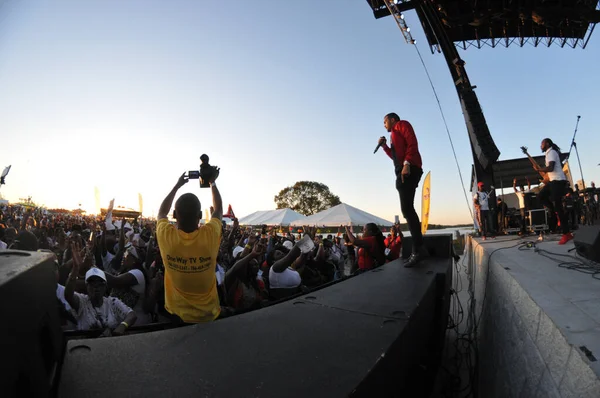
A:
x,y
130,249
237,250
288,245
138,241
95,272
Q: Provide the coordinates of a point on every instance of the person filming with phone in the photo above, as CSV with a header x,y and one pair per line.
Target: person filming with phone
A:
x,y
189,253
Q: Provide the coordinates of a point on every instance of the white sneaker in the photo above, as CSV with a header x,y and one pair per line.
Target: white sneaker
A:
x,y
306,244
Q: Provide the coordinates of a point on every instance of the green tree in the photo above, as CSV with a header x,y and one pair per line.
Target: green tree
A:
x,y
306,197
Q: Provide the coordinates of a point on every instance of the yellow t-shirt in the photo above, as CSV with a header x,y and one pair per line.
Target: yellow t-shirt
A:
x,y
190,279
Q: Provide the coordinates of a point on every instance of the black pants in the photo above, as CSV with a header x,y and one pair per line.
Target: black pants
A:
x,y
551,197
502,221
486,222
523,220
407,191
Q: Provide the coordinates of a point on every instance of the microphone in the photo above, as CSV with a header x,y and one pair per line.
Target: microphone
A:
x,y
377,147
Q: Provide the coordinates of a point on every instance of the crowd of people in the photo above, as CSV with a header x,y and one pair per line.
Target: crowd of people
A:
x,y
113,273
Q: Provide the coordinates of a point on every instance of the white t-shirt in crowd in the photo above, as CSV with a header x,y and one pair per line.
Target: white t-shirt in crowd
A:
x,y
483,200
109,315
142,317
557,174
60,294
3,245
286,279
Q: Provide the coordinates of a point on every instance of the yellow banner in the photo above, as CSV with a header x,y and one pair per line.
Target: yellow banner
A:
x,y
425,202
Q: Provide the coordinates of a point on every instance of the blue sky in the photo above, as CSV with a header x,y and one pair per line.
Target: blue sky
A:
x,y
125,96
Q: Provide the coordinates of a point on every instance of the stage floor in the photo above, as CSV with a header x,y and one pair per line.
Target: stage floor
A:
x,y
528,297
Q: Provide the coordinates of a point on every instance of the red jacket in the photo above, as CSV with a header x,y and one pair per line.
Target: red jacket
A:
x,y
405,144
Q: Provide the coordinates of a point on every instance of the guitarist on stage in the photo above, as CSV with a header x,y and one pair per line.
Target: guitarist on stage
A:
x,y
553,192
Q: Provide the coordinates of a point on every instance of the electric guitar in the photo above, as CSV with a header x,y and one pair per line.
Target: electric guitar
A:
x,y
543,174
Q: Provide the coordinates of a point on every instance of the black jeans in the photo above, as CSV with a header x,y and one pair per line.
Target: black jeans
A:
x,y
551,197
523,220
486,222
407,191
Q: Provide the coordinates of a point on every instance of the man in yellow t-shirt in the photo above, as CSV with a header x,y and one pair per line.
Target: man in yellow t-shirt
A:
x,y
189,255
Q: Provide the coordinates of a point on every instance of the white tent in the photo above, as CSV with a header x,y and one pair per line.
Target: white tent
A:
x,y
342,214
249,219
272,217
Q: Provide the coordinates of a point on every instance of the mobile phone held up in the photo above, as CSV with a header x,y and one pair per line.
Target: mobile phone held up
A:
x,y
194,174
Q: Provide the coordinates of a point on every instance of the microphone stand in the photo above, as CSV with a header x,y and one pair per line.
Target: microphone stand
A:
x,y
574,145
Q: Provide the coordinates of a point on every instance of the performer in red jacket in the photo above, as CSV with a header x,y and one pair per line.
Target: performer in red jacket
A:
x,y
404,152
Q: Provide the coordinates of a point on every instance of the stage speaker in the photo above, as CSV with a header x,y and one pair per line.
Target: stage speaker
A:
x,y
30,335
587,242
439,245
377,334
532,201
538,219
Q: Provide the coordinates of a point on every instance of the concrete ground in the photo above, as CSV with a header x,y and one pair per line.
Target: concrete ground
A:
x,y
570,297
561,313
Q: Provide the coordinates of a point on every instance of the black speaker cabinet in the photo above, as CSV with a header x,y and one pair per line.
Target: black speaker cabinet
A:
x,y
378,334
30,332
587,242
538,220
438,245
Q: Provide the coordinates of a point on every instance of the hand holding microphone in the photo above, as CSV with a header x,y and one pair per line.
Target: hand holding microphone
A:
x,y
381,142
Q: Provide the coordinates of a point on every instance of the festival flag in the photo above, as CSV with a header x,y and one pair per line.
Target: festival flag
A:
x,y
141,202
425,202
97,197
229,213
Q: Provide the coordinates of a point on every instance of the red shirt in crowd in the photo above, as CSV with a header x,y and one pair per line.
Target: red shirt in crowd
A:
x,y
365,261
395,246
405,144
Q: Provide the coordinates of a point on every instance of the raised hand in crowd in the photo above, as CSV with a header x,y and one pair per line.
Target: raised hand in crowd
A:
x,y
258,249
183,179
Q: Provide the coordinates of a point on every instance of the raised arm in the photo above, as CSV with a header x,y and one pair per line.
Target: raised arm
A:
x,y
122,237
217,202
103,249
355,241
281,264
165,206
240,267
150,254
70,296
234,228
242,239
515,185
